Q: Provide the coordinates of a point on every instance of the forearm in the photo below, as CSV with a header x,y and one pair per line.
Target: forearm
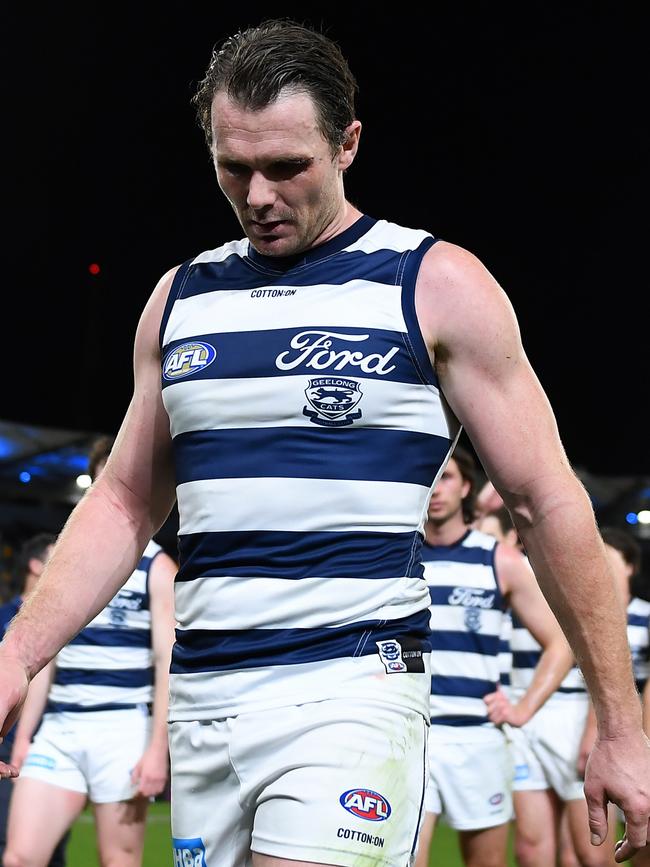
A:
x,y
95,553
554,663
32,712
567,555
159,724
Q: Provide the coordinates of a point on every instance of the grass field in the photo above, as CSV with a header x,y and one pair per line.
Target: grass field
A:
x,y
157,850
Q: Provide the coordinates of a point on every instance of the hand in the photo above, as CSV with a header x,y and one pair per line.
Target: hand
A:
x,y
618,770
150,774
500,710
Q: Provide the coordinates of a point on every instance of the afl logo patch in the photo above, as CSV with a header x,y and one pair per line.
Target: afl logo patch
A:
x,y
187,359
365,804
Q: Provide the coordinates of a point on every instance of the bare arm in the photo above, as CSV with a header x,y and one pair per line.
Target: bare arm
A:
x,y
646,707
32,713
528,603
473,336
151,771
107,531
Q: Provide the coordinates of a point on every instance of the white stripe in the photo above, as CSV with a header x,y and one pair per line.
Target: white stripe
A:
x,y
388,236
213,694
521,640
457,705
86,694
219,254
279,402
452,618
300,505
468,576
103,658
329,306
276,603
457,663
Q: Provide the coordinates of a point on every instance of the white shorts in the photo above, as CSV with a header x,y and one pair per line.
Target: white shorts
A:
x,y
91,753
470,777
335,782
546,749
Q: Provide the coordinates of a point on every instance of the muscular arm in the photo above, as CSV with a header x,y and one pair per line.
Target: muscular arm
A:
x,y
473,337
518,583
151,772
106,532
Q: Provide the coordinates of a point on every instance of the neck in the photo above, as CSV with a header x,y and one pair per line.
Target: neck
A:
x,y
446,533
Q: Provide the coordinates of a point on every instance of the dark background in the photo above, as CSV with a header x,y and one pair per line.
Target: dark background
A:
x,y
515,131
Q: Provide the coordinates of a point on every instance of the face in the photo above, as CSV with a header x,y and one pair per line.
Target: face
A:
x,y
277,171
447,498
622,572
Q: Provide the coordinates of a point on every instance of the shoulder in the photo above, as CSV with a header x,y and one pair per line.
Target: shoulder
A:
x,y
511,565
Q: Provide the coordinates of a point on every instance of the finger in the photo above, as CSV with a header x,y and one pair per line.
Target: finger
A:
x,y
597,811
636,830
7,771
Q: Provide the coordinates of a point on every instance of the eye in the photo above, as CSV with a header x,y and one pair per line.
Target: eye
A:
x,y
285,169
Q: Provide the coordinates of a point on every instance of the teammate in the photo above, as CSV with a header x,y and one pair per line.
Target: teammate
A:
x,y
473,580
104,734
30,562
299,391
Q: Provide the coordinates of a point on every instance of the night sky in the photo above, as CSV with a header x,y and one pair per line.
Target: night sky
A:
x,y
512,130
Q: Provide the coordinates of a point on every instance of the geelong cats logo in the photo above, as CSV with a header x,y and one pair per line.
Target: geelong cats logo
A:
x,y
333,400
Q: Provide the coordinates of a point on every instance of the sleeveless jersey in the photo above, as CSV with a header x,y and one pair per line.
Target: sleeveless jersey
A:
x,y
638,636
467,617
526,652
308,429
109,664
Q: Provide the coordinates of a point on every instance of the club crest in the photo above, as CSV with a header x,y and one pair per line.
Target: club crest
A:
x,y
333,400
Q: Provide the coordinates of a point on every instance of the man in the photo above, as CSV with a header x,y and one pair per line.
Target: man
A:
x,y
299,391
473,581
30,562
104,734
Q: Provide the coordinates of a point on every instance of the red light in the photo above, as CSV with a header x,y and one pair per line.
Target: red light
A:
x,y
94,268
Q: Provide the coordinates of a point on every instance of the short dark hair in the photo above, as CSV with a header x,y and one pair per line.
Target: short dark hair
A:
x,y
254,66
35,546
626,544
504,518
99,452
467,466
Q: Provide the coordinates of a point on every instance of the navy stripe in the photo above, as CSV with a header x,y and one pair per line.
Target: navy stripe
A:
x,y
236,274
123,677
466,687
571,690
504,678
442,595
358,454
227,649
271,554
525,658
458,554
174,289
465,642
408,279
107,636
244,354
64,706
459,720
638,620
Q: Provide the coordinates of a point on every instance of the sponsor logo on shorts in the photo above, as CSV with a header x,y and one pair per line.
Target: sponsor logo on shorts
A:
x,y
360,836
188,852
37,760
366,804
497,799
187,359
522,772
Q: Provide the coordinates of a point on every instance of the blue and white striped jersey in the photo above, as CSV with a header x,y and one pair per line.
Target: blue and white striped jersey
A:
x,y
638,636
109,664
308,430
526,652
467,616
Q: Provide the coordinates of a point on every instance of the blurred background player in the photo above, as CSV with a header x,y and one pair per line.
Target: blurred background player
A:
x,y
104,734
472,580
30,561
550,809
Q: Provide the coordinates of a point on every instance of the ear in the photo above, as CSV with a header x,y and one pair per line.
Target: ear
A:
x,y
35,565
350,146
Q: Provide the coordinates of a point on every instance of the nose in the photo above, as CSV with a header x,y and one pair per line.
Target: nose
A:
x,y
261,192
